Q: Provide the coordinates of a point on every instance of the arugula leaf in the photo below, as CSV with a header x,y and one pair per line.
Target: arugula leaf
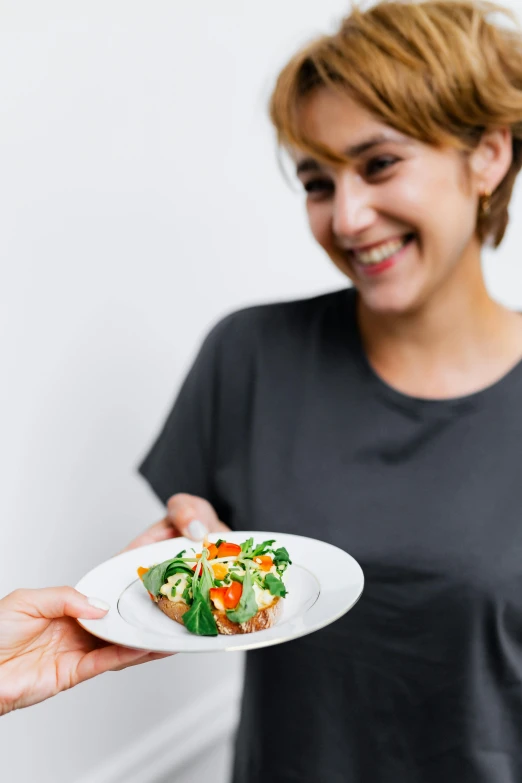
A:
x,y
247,606
281,556
199,618
246,547
206,581
262,548
220,541
180,554
258,579
275,585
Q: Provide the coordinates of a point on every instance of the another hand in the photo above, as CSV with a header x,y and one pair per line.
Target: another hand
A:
x,y
187,515
43,650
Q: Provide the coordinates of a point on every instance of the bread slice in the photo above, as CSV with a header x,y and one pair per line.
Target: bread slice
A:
x,y
265,618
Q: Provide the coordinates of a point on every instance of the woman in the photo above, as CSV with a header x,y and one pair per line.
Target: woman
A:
x,y
44,651
383,418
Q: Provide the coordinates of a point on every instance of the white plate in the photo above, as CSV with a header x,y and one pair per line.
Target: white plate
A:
x,y
323,583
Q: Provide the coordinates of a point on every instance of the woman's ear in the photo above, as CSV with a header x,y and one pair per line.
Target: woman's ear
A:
x,y
491,159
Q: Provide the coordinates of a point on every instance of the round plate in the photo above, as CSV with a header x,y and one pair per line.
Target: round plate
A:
x,y
323,583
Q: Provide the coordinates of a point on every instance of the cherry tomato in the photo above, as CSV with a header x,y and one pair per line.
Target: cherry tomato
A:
x,y
233,595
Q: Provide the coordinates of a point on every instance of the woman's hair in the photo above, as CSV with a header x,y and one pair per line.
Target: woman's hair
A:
x,y
440,71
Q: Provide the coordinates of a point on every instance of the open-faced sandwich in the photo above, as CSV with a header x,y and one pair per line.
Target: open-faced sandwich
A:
x,y
226,588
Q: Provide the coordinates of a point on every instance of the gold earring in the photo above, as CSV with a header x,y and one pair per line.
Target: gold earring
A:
x,y
485,203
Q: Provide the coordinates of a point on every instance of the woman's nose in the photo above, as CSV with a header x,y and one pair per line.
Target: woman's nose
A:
x,y
353,213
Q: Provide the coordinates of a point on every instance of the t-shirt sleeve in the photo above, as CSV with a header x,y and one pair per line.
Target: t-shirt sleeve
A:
x,y
182,457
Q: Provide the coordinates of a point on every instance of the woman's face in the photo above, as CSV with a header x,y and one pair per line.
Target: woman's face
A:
x,y
400,219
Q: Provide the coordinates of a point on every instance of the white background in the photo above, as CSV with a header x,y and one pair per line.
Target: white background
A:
x,y
141,200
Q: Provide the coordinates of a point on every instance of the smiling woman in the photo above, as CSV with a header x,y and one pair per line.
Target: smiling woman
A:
x,y
406,131
384,417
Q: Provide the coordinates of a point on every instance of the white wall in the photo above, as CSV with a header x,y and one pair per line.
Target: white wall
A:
x,y
140,200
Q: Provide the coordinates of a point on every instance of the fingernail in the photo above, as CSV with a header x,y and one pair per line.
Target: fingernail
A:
x,y
197,530
99,604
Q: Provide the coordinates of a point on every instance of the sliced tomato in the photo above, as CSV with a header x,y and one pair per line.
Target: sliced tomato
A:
x,y
264,562
227,550
233,595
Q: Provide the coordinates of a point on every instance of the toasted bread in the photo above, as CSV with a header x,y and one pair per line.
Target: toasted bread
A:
x,y
265,618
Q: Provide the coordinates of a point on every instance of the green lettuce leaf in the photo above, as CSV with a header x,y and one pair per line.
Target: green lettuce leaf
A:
x,y
199,618
275,585
158,574
281,556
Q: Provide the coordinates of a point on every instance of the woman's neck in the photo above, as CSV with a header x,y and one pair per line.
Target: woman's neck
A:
x,y
458,342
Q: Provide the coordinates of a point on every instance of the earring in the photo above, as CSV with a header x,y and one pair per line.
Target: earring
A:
x,y
485,203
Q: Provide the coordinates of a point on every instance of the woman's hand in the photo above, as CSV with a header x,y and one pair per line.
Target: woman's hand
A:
x,y
187,515
43,650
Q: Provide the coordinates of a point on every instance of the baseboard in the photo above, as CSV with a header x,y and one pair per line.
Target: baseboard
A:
x,y
172,744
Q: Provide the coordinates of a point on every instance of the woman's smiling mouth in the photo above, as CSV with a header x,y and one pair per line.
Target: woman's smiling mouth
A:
x,y
380,257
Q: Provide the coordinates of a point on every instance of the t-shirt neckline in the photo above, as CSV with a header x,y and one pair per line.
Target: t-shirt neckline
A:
x,y
422,404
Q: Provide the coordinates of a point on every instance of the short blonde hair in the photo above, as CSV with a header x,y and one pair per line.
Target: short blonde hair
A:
x,y
440,71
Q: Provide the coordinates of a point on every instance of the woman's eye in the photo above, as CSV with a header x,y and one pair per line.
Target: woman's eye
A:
x,y
377,166
318,187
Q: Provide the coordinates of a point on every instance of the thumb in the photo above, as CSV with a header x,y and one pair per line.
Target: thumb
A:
x,y
193,516
53,602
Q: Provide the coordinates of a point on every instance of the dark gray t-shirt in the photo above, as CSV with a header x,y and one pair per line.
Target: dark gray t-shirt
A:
x,y
282,425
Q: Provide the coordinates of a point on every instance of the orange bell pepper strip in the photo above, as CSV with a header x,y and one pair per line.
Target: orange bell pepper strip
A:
x,y
226,549
264,562
220,570
217,596
212,552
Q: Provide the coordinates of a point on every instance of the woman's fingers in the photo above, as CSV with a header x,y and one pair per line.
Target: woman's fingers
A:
x,y
53,602
146,658
193,516
113,658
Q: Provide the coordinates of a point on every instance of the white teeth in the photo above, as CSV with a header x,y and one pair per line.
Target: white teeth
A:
x,y
378,254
